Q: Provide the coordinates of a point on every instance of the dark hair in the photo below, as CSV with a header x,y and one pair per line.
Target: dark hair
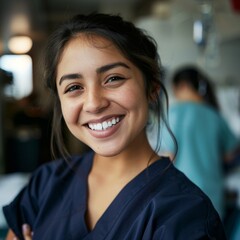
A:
x,y
198,81
133,42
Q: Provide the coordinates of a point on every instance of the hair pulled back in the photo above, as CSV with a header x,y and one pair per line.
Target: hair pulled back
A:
x,y
134,43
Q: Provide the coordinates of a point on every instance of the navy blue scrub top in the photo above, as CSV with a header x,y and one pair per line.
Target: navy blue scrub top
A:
x,y
160,203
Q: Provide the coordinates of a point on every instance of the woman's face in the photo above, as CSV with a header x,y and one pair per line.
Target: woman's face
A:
x,y
102,96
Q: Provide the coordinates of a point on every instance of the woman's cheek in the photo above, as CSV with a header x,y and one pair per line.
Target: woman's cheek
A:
x,y
70,113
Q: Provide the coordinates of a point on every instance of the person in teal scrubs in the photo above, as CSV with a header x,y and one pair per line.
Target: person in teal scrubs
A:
x,y
204,137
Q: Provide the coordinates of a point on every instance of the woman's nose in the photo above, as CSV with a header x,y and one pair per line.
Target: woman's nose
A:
x,y
95,100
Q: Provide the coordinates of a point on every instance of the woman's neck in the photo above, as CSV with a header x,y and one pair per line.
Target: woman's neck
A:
x,y
126,164
188,95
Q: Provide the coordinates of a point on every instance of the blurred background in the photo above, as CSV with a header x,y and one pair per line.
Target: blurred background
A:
x,y
201,32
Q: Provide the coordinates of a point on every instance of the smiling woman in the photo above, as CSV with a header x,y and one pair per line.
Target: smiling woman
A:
x,y
108,87
104,85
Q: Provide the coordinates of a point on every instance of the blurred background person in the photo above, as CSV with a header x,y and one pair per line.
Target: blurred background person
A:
x,y
204,138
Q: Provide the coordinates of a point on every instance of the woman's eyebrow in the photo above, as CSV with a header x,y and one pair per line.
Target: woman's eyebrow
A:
x,y
101,69
110,66
69,77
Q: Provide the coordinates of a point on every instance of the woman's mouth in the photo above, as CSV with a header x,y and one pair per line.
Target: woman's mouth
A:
x,y
100,126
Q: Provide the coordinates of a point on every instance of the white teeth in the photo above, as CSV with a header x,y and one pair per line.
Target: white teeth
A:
x,y
104,125
99,126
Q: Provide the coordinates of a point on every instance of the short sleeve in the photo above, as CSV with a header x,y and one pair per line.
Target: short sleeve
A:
x,y
16,215
25,206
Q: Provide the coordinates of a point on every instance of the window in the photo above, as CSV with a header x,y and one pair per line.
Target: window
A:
x,y
21,68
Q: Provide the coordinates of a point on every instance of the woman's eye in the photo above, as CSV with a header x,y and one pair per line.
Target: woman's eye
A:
x,y
73,88
114,78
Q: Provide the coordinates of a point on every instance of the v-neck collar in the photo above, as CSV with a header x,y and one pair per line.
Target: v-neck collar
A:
x,y
78,225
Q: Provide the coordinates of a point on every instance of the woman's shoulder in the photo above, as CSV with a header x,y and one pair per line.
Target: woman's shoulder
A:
x,y
174,188
49,183
172,185
179,202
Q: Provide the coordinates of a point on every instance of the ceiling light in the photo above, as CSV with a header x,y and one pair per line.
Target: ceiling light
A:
x,y
20,44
